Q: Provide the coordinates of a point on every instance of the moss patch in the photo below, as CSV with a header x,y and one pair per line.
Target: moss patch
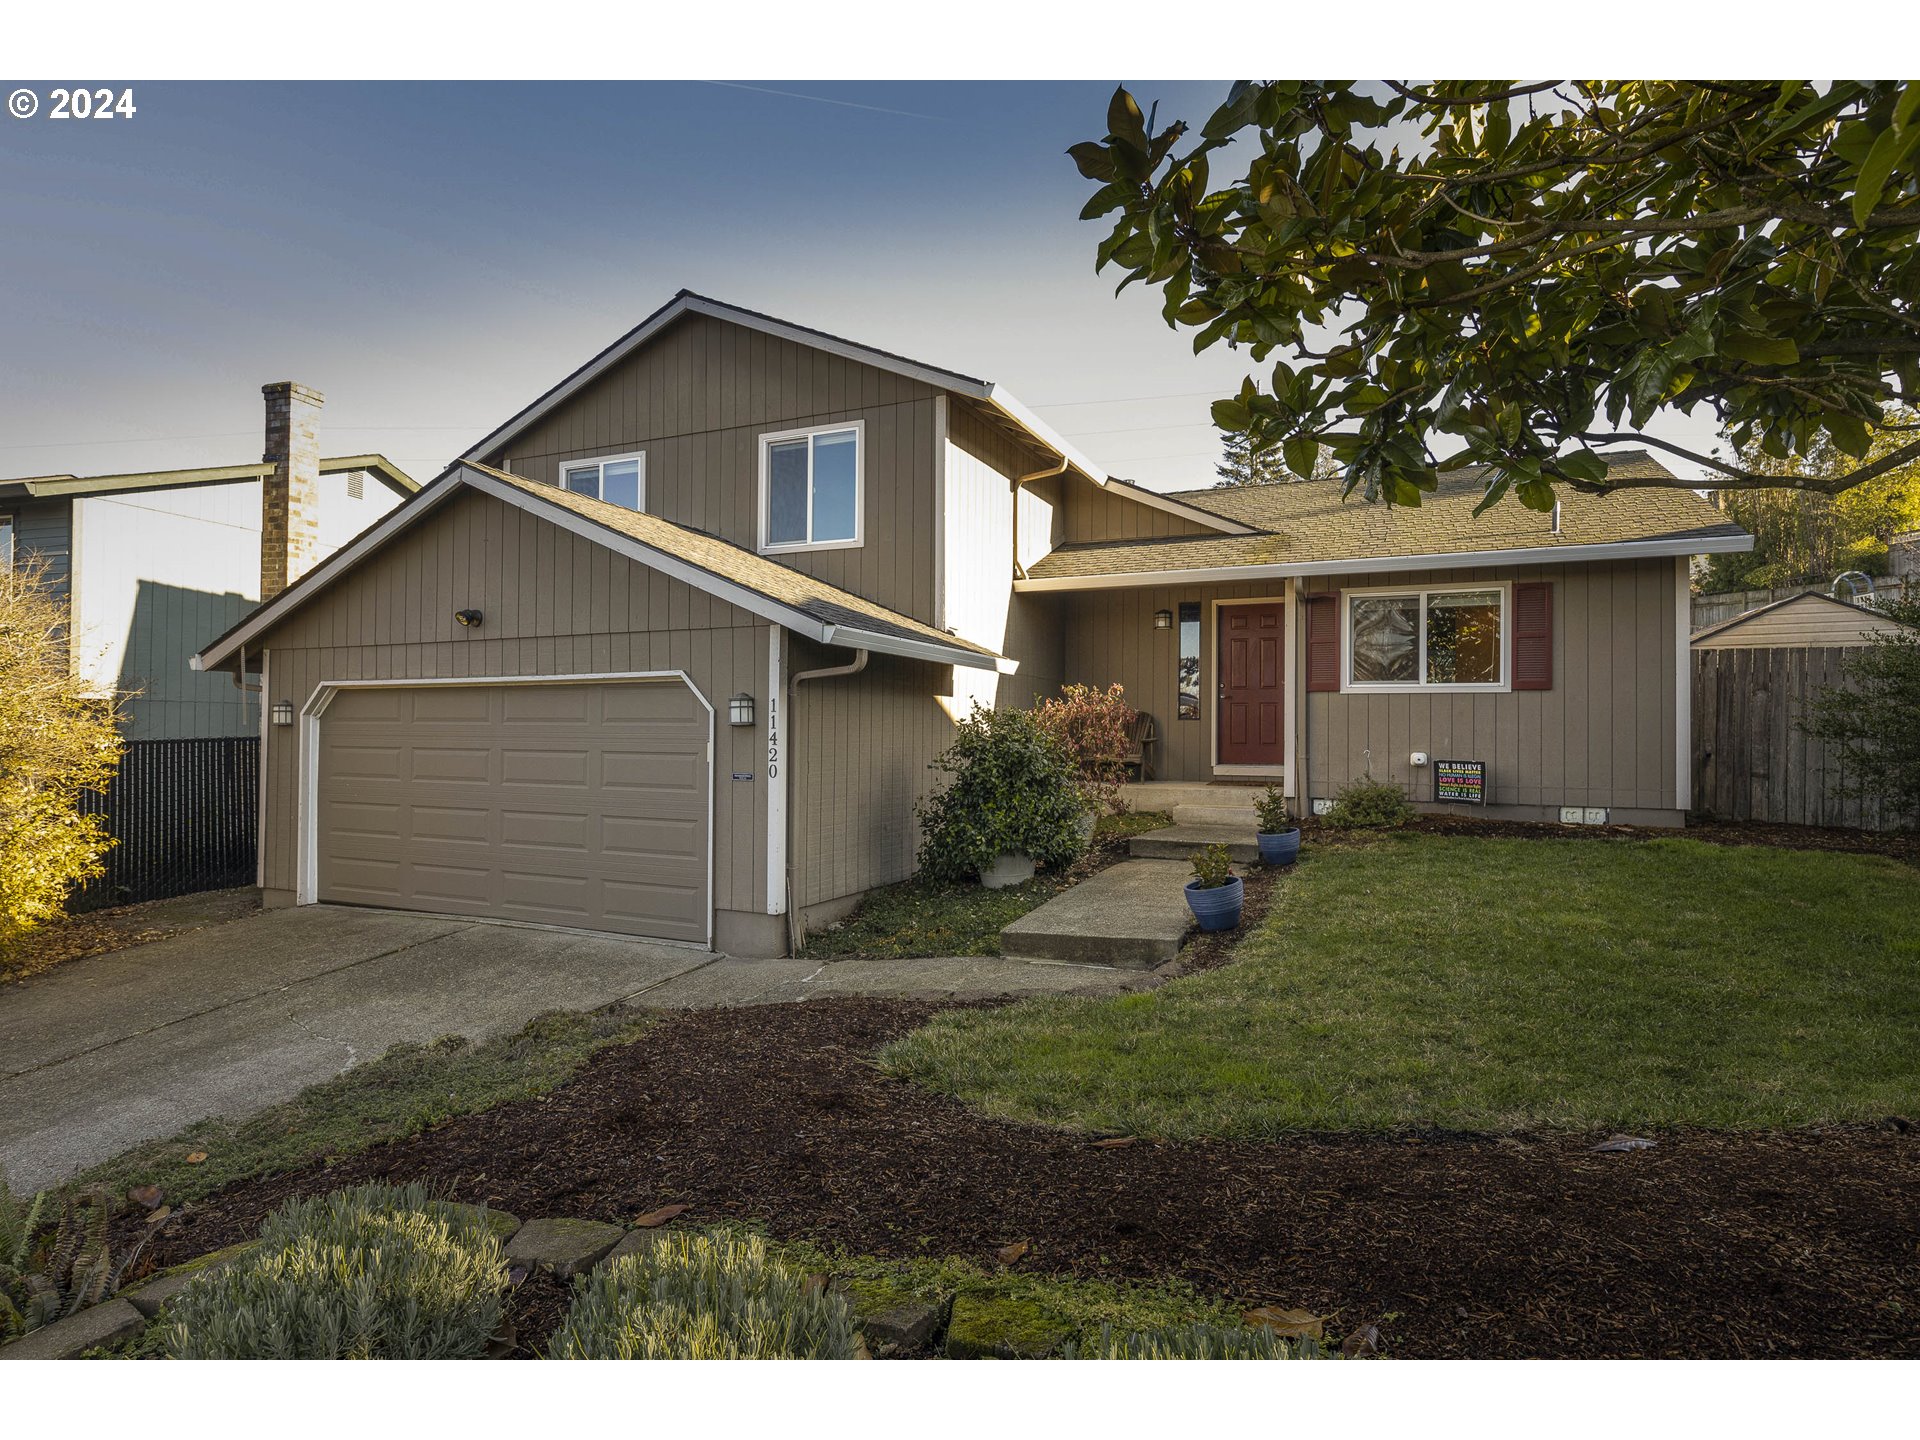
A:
x,y
989,1327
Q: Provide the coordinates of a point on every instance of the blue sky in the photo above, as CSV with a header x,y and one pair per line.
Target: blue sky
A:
x,y
433,256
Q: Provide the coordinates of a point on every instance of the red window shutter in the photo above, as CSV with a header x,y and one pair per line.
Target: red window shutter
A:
x,y
1533,635
1323,642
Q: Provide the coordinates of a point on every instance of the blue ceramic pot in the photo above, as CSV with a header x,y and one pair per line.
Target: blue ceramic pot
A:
x,y
1217,908
1281,849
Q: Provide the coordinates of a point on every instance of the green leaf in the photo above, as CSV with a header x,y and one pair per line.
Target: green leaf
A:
x,y
1366,399
1092,159
1760,349
1124,120
1302,452
1231,415
1894,144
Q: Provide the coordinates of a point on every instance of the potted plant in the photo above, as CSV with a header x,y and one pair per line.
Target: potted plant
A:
x,y
1279,837
1215,893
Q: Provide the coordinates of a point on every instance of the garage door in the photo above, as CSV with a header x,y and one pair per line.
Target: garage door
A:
x,y
583,805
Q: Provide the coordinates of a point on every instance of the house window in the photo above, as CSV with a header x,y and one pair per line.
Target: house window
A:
x,y
810,488
1189,679
1449,639
6,542
616,479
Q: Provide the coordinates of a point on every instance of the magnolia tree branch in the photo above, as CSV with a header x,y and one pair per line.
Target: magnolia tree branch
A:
x,y
1736,478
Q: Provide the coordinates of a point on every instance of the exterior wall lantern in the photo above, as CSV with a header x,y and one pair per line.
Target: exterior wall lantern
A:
x,y
283,712
740,710
1163,619
468,618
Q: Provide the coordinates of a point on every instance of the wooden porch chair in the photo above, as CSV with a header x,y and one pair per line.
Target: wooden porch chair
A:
x,y
1140,742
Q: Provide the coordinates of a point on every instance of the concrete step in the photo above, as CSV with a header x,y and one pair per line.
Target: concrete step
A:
x,y
1215,813
1178,842
1132,915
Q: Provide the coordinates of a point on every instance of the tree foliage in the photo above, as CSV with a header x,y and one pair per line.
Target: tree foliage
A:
x,y
1810,535
1873,720
1241,464
1013,790
57,739
1522,273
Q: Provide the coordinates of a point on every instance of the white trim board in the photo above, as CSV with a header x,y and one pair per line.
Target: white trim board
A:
x,y
307,787
462,477
1445,560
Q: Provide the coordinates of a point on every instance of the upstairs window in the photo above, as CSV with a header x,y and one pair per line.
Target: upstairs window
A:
x,y
616,479
810,488
1447,639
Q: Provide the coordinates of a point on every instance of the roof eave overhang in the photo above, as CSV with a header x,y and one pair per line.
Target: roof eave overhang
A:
x,y
1452,560
458,477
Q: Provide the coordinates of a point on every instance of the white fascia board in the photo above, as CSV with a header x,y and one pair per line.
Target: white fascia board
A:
x,y
1453,560
850,638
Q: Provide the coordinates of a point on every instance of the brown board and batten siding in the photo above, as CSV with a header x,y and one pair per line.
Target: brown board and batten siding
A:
x,y
552,603
1094,515
698,397
1602,735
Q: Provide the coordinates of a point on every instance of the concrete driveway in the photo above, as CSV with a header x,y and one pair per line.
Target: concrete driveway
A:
x,y
103,1053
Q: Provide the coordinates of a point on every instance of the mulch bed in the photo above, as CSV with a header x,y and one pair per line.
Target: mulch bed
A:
x,y
1897,844
1759,1244
1210,949
80,937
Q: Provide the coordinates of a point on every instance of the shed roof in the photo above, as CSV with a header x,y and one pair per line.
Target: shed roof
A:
x,y
1809,619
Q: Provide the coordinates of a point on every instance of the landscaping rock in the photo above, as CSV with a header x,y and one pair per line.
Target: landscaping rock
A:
x,y
987,1327
562,1247
499,1221
66,1339
150,1297
633,1243
908,1328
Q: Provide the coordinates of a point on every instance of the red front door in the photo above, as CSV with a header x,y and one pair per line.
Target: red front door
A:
x,y
1252,684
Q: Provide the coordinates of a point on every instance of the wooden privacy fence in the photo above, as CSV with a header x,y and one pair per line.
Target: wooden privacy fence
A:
x,y
186,815
1750,759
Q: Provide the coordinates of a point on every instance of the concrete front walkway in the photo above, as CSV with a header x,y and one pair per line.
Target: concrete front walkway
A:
x,y
101,1054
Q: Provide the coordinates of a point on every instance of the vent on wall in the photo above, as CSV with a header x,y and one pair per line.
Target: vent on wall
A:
x,y
357,485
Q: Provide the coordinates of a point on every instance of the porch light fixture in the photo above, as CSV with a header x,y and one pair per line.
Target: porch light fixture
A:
x,y
1163,619
283,712
740,710
469,618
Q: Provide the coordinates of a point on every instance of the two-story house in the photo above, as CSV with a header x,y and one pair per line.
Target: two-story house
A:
x,y
669,652
150,564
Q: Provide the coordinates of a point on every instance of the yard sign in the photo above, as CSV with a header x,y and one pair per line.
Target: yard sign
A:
x,y
1462,782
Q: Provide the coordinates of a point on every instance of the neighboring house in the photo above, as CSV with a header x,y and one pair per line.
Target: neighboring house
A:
x,y
151,564
1903,558
1805,621
670,651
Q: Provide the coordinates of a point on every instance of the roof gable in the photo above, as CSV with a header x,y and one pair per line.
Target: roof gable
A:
x,y
378,466
775,592
1810,618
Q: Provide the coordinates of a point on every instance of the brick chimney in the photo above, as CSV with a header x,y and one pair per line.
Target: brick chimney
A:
x,y
290,496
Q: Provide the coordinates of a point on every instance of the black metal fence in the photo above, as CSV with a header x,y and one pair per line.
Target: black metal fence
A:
x,y
186,815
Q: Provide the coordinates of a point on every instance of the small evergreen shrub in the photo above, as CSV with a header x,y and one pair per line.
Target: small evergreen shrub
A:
x,y
374,1273
1194,1342
1013,791
1095,728
1212,866
1273,815
1370,805
692,1296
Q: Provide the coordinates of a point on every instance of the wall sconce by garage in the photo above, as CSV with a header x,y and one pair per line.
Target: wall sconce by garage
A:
x,y
468,618
740,710
283,712
1163,619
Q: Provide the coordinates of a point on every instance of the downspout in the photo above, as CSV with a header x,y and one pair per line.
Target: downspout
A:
x,y
1020,483
830,672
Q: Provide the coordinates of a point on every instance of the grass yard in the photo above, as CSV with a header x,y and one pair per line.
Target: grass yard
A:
x,y
924,917
1492,984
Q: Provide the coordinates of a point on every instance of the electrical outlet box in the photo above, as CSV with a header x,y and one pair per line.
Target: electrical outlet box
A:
x,y
1596,817
1419,757
1322,807
1572,815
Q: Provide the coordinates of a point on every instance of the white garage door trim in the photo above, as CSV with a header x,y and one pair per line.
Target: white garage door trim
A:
x,y
307,842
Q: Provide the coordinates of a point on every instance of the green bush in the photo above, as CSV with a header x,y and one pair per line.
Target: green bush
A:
x,y
693,1296
1370,805
1271,812
1194,1342
374,1273
1014,791
1873,720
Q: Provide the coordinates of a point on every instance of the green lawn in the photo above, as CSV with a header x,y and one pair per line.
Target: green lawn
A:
x,y
1493,985
926,917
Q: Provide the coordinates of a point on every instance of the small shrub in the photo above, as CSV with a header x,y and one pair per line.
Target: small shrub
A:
x,y
703,1297
1194,1342
49,1274
1212,866
1095,729
1370,805
1873,720
1274,815
374,1273
1013,791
